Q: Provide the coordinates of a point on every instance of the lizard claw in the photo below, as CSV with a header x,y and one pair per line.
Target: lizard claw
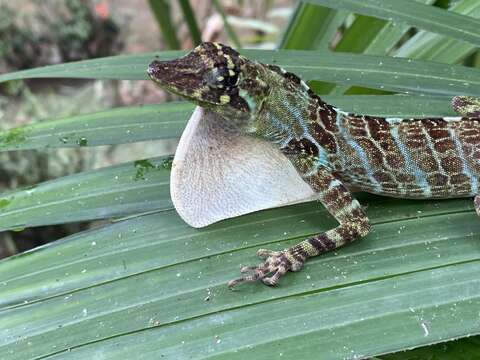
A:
x,y
277,263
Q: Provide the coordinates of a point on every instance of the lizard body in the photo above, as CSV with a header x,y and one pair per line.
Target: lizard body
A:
x,y
333,151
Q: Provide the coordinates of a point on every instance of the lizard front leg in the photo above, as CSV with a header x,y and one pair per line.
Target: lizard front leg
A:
x,y
353,223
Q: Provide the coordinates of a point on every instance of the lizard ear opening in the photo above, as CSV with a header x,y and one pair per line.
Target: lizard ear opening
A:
x,y
218,173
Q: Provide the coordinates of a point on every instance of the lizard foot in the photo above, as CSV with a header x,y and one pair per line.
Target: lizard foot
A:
x,y
276,264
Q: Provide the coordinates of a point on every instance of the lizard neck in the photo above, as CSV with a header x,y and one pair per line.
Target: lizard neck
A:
x,y
298,122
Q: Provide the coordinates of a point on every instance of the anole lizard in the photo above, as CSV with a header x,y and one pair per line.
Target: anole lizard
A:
x,y
331,150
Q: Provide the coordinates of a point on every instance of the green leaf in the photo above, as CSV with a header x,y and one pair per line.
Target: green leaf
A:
x,y
463,349
368,27
116,126
370,36
161,11
373,36
311,27
191,21
414,276
357,38
152,287
163,121
381,72
413,13
384,40
427,46
121,190
399,106
140,123
124,67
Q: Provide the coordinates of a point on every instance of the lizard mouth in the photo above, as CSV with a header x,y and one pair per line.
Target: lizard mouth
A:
x,y
182,77
173,75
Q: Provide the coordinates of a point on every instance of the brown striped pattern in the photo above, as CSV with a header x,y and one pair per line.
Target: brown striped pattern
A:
x,y
416,158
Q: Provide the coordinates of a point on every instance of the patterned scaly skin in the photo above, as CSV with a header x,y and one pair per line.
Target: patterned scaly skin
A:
x,y
333,151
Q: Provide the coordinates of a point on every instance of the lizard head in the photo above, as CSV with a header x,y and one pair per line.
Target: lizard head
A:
x,y
214,76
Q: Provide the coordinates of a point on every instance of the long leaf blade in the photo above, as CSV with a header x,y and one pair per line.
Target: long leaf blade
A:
x,y
427,46
311,27
371,36
27,274
410,12
413,276
371,71
116,126
161,11
163,121
191,21
121,190
342,292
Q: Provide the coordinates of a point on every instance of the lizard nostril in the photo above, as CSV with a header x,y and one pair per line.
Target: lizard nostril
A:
x,y
153,69
150,69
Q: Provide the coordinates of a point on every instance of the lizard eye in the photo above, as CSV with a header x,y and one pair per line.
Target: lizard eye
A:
x,y
223,78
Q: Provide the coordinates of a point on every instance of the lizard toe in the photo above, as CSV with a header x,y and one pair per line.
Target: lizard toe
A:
x,y
273,280
277,264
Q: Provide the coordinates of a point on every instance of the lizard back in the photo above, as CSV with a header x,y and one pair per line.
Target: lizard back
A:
x,y
410,158
418,158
